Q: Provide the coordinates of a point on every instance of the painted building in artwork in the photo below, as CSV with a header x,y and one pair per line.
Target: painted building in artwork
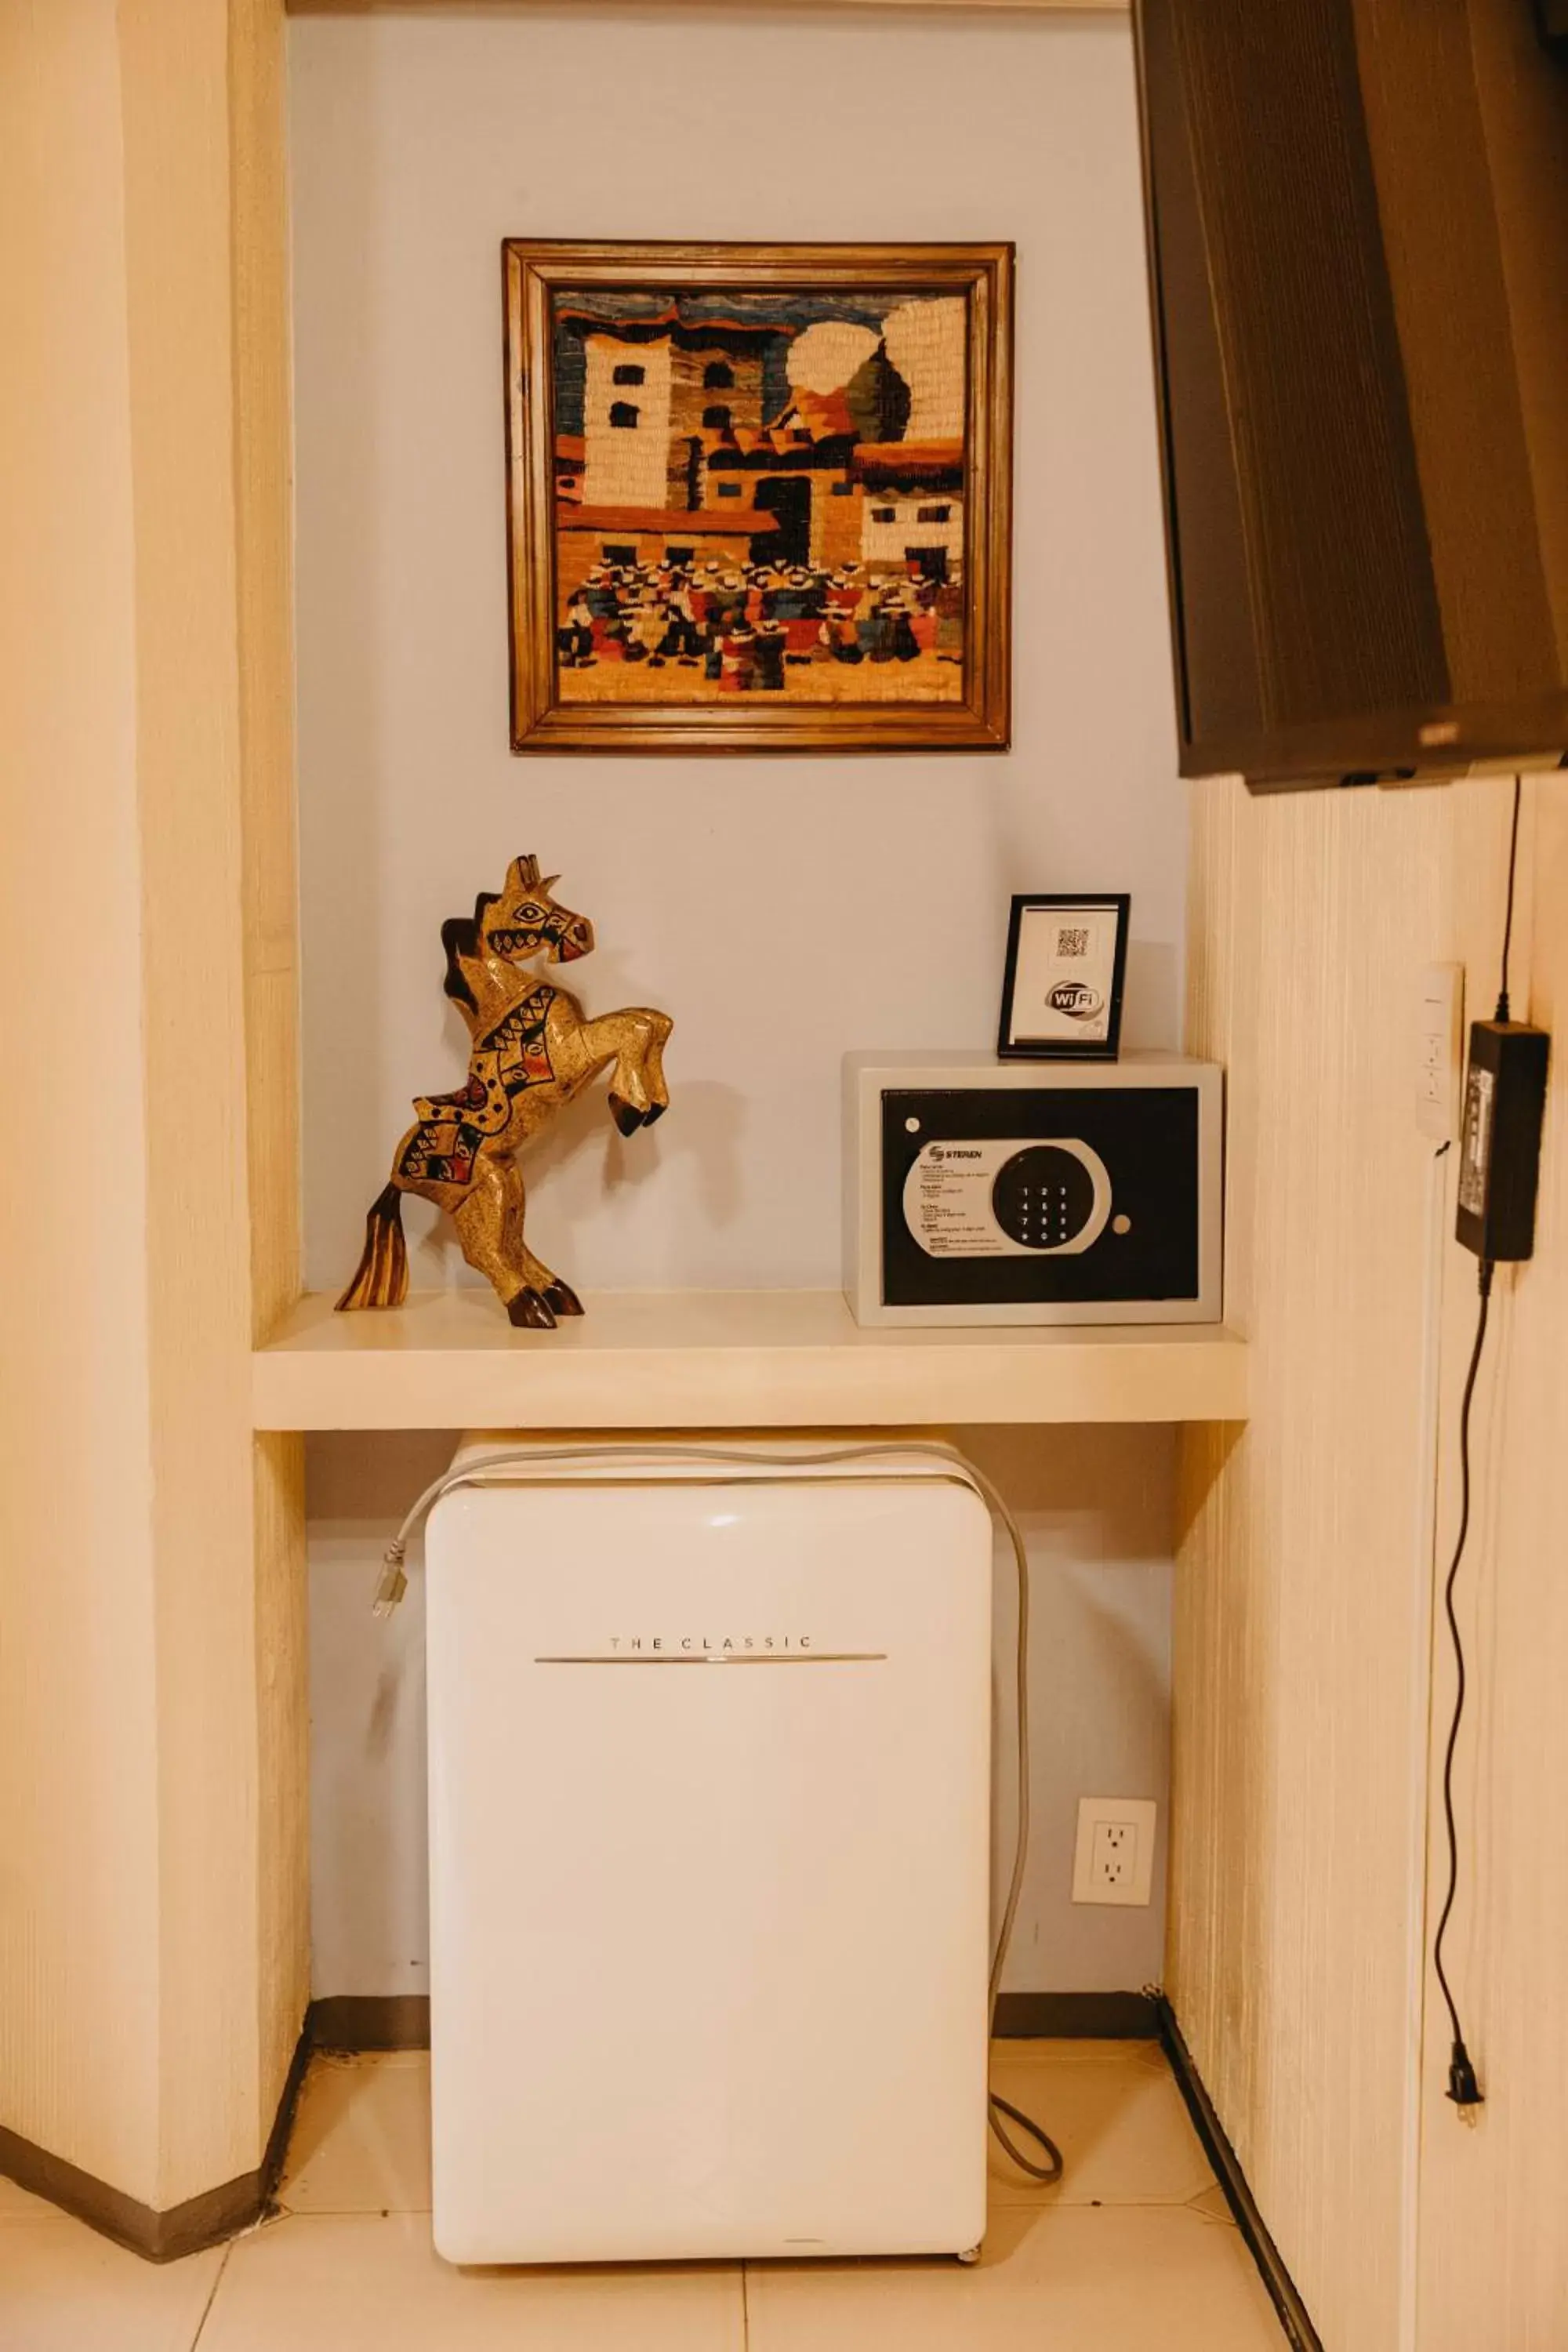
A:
x,y
797,469
716,388
804,483
658,397
590,538
927,341
651,393
627,398
680,459
912,508
913,534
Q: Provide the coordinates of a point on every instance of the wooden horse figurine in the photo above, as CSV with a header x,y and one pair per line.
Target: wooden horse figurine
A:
x,y
532,1050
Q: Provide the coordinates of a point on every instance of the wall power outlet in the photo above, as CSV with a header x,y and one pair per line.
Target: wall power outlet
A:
x,y
1114,1859
1440,1050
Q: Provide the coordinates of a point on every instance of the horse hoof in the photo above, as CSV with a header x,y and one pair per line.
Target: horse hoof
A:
x,y
654,1110
529,1312
627,1118
561,1298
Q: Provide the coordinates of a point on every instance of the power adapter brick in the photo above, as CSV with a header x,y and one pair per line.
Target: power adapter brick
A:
x,y
1500,1143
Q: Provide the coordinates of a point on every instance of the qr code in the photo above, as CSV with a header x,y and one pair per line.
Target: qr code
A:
x,y
1073,943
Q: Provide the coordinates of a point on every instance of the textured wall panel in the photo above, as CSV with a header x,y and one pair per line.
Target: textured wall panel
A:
x,y
1304,1587
1494,2248
151,1897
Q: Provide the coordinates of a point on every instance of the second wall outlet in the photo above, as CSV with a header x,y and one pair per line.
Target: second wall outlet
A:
x,y
1114,1861
1440,1051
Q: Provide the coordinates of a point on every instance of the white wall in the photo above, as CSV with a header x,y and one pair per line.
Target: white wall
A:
x,y
782,910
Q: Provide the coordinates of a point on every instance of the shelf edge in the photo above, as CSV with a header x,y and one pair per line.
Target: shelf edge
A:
x,y
718,1385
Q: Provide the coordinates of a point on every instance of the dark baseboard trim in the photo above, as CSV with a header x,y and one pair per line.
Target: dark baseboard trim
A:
x,y
1294,2316
402,2022
1075,2017
362,2020
276,2154
204,2219
351,2021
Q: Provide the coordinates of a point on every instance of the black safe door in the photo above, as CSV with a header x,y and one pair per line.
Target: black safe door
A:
x,y
1146,1138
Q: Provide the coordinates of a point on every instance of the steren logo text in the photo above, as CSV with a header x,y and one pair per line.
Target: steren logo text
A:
x,y
623,1643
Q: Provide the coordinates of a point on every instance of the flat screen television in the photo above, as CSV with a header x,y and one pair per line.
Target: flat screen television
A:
x,y
1358,233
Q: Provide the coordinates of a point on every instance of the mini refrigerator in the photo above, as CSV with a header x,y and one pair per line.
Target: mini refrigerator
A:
x,y
709,1806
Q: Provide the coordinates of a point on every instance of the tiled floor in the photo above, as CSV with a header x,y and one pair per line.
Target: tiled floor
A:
x,y
1134,2250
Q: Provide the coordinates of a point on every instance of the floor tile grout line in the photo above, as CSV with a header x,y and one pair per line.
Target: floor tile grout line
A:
x,y
207,2307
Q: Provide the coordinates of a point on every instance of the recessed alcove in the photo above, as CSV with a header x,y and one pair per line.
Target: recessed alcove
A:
x,y
783,910
288,386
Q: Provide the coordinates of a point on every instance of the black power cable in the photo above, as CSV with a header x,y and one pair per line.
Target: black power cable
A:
x,y
1502,1014
1464,2088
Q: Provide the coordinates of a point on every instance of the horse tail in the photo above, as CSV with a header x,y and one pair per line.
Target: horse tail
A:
x,y
380,1278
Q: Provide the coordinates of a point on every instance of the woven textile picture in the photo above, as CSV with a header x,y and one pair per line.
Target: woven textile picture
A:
x,y
759,496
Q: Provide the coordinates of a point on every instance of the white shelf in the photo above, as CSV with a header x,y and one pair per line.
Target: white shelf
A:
x,y
723,1359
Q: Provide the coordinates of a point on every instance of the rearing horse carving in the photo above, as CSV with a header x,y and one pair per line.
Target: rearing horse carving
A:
x,y
532,1049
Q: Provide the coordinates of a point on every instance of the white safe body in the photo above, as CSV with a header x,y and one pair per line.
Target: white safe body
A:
x,y
710,1806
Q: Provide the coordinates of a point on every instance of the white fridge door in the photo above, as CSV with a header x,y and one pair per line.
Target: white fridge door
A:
x,y
709,1769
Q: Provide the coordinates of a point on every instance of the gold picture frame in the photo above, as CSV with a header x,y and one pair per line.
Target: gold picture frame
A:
x,y
743,552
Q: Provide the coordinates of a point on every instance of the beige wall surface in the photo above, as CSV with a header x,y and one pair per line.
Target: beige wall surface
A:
x,y
1493,2246
1304,1791
196,1244
783,910
151,1952
77,1750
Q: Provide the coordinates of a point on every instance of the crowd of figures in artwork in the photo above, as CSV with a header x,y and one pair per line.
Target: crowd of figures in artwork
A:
x,y
743,628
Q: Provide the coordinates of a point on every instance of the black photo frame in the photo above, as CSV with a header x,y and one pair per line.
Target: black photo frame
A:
x,y
1038,1029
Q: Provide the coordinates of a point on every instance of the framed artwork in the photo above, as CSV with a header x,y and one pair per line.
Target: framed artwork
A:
x,y
1061,991
759,496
